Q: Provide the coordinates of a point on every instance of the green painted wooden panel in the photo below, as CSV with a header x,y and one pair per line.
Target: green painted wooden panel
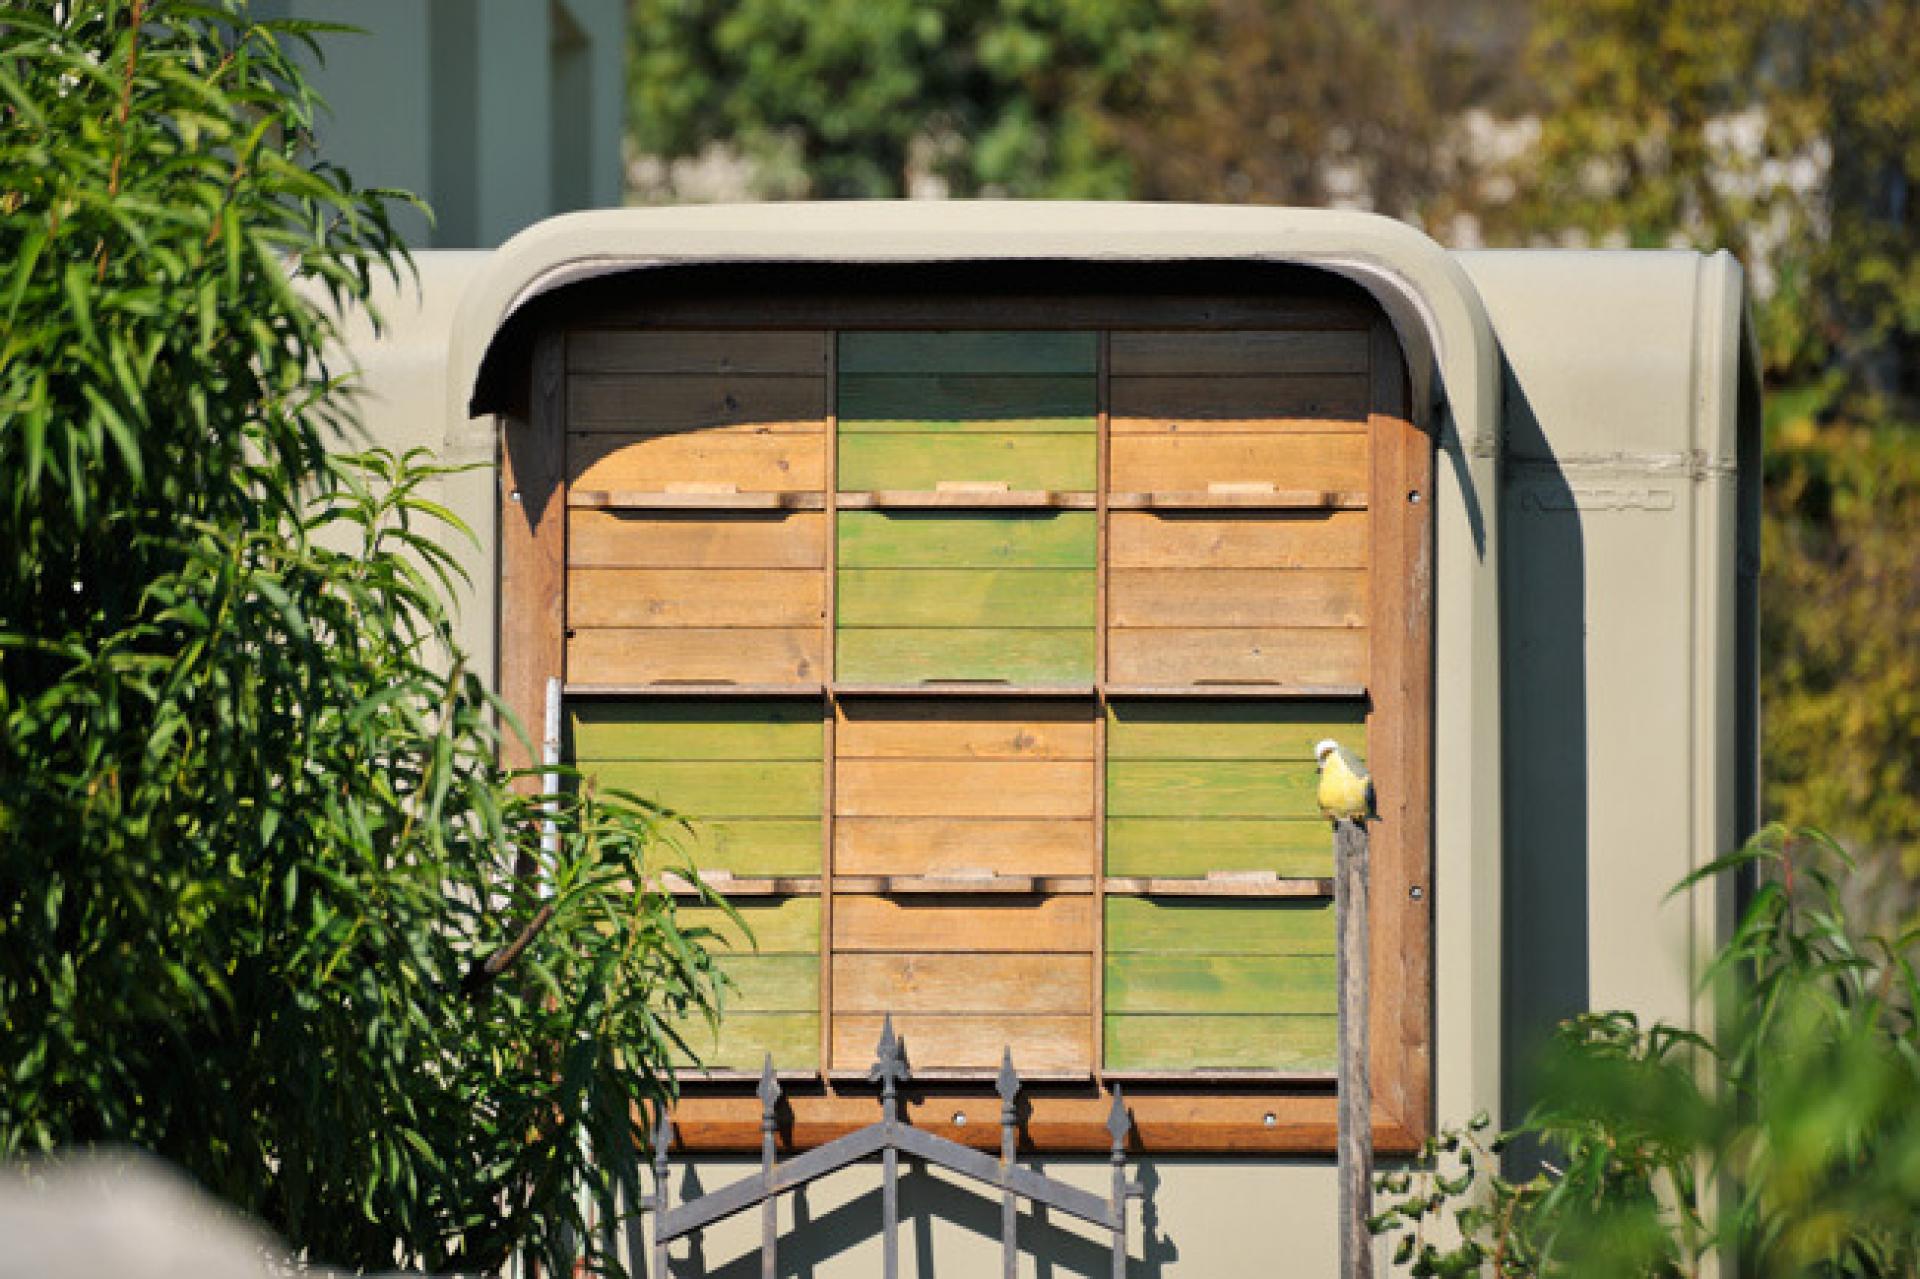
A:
x,y
772,983
789,926
952,402
901,655
687,729
719,788
1221,984
753,845
1287,1043
1009,597
1219,926
746,1040
969,351
918,539
923,461
1184,729
1211,788
1183,846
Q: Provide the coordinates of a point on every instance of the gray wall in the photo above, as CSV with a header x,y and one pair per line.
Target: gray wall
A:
x,y
498,113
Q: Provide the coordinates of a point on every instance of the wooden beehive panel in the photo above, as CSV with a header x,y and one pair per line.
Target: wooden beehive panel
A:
x,y
966,596
775,1008
1219,985
1199,787
747,772
923,411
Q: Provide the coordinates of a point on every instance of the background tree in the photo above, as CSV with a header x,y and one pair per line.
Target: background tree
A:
x,y
258,903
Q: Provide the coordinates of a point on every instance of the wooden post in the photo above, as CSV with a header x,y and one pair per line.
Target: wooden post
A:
x,y
1356,1087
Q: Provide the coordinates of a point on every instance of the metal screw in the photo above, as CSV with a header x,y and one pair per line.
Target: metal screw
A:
x,y
514,496
1413,495
1269,1119
1416,892
959,1119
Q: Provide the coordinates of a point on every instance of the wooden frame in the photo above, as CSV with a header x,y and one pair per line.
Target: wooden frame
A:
x,y
1193,1112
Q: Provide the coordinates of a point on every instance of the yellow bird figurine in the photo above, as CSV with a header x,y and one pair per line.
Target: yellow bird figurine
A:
x,y
1346,788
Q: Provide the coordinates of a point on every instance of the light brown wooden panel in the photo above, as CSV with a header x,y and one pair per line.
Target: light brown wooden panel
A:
x,y
696,351
1244,351
1217,405
612,539
924,845
733,404
631,655
1400,737
945,983
751,463
951,924
1175,463
1039,1044
1189,597
1310,657
953,728
533,530
963,788
1148,540
696,597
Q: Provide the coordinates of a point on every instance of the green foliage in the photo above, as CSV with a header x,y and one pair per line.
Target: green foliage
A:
x,y
837,98
1787,130
1840,630
268,905
1791,1138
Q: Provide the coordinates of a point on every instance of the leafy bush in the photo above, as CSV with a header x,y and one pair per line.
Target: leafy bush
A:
x,y
1791,1138
268,904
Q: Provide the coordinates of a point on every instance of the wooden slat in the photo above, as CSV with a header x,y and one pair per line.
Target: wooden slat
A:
x,y
874,539
921,460
1157,541
955,597
889,655
965,498
935,728
790,927
718,788
1182,463
1226,499
696,597
723,403
1243,351
636,656
1210,788
1202,926
920,845
751,463
1298,657
1296,1043
746,1040
1220,984
1042,925
1238,885
1237,597
717,499
967,351
750,846
696,351
1189,846
941,983
966,403
1230,729
655,728
533,533
608,539
964,788
770,984
1040,1044
1239,405
1401,741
